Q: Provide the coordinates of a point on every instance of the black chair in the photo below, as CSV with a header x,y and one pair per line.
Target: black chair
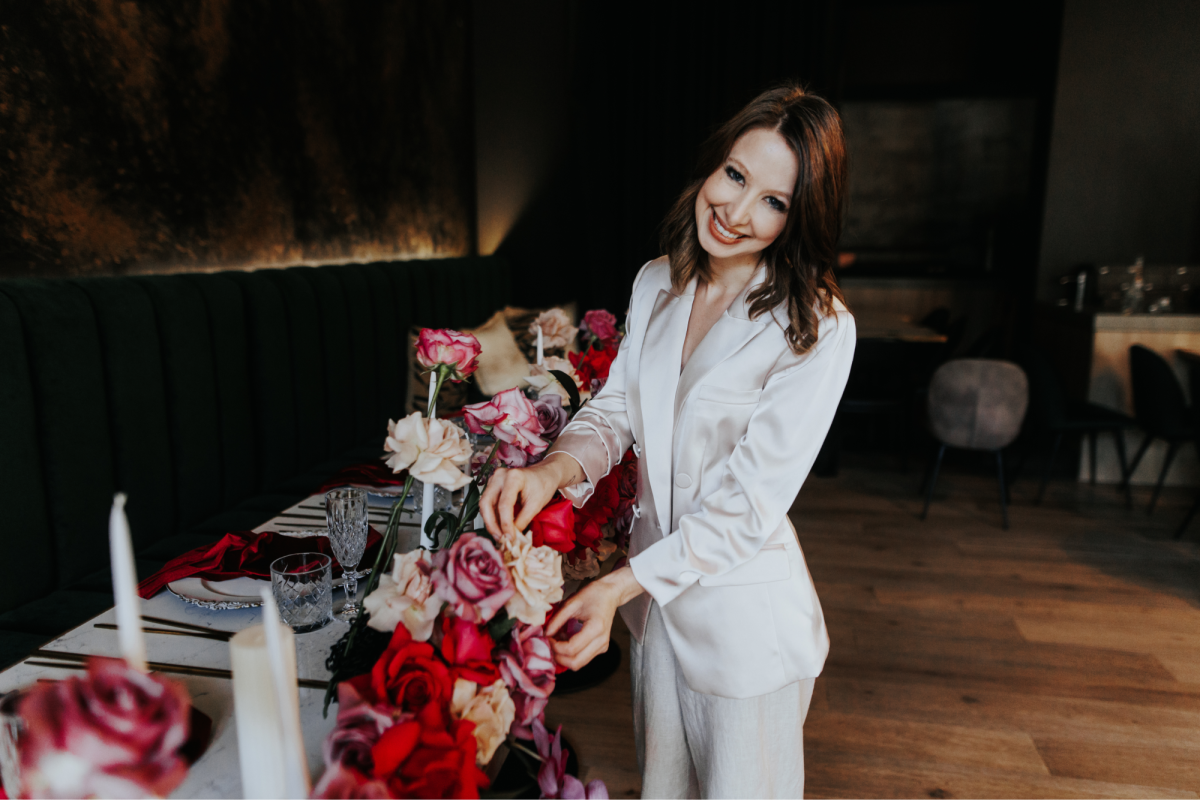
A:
x,y
1160,409
1052,414
879,385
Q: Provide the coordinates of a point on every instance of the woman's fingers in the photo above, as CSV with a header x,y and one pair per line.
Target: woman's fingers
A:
x,y
568,610
530,506
513,484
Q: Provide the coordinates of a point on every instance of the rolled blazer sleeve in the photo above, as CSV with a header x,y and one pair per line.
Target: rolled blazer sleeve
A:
x,y
763,474
600,433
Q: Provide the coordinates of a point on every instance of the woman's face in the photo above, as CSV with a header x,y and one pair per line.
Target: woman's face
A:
x,y
743,206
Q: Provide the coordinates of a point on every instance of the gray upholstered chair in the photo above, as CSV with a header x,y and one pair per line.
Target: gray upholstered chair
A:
x,y
976,404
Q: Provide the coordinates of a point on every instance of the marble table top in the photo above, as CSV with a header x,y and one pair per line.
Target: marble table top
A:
x,y
218,772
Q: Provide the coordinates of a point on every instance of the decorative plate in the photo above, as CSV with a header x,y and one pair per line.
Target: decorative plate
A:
x,y
219,595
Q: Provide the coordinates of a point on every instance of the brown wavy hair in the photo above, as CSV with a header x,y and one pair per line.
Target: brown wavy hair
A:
x,y
800,262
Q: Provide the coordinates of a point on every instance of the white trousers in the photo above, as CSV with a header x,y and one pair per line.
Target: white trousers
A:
x,y
699,745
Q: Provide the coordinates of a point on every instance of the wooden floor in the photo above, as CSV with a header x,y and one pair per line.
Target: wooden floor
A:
x,y
1060,658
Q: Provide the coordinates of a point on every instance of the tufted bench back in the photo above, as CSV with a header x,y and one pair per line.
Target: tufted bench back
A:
x,y
196,394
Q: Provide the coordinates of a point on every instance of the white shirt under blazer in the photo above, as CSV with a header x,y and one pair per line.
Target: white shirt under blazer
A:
x,y
724,446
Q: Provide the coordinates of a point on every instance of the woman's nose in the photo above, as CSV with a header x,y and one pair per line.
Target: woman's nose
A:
x,y
738,212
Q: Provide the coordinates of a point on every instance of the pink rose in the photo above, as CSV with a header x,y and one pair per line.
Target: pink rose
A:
x,y
512,420
551,415
601,324
114,732
454,349
527,666
471,577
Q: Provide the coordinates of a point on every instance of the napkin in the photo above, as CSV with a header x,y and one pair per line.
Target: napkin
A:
x,y
246,554
372,475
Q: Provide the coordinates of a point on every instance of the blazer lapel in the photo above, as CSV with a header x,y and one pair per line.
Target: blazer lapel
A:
x,y
729,335
658,378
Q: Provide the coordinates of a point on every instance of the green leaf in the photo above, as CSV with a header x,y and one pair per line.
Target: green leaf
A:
x,y
500,625
572,391
470,509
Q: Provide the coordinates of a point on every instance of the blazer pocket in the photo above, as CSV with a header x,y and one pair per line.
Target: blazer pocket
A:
x,y
771,564
738,397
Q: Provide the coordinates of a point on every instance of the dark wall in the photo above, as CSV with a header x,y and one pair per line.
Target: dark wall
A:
x,y
152,136
648,82
1125,153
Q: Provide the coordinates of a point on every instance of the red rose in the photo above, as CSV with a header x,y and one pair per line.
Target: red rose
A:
x,y
603,503
408,675
628,485
554,526
429,755
592,367
467,648
118,729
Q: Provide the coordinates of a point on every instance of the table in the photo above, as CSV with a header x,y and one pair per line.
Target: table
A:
x,y
218,772
895,328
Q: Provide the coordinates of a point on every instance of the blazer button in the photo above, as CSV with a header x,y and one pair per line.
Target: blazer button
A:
x,y
683,481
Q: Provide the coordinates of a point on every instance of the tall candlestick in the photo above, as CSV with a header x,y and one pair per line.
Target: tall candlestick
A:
x,y
256,704
427,500
124,578
287,698
540,359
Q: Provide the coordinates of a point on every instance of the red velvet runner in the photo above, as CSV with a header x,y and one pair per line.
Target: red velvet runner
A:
x,y
245,554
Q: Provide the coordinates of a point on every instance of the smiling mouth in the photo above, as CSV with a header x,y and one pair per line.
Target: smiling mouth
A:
x,y
720,232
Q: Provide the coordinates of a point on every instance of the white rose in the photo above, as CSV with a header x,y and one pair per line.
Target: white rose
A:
x,y
406,596
431,450
537,575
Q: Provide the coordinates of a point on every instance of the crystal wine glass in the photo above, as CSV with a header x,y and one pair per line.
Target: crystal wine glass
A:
x,y
346,516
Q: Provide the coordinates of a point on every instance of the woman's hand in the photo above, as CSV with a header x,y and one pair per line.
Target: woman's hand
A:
x,y
594,605
514,496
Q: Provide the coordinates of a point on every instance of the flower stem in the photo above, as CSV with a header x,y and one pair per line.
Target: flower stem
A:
x,y
512,742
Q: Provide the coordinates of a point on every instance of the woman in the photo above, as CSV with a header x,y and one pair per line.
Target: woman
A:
x,y
737,349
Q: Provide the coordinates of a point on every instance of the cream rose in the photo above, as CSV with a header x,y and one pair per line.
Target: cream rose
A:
x,y
537,575
406,596
557,330
491,709
431,450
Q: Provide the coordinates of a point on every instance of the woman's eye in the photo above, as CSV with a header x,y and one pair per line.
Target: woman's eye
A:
x,y
734,175
777,204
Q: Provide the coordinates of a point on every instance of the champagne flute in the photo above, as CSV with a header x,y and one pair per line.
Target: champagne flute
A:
x,y
346,516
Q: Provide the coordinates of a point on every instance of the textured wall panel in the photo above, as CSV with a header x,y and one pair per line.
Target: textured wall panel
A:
x,y
139,136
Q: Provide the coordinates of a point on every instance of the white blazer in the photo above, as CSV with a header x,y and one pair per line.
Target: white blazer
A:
x,y
724,447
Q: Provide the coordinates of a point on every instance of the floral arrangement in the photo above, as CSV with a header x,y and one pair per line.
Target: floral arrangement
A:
x,y
112,732
448,661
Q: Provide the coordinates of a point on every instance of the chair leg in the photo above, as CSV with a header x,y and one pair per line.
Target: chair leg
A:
x,y
1127,478
1186,520
1172,449
1048,468
1003,494
937,465
1119,435
1092,457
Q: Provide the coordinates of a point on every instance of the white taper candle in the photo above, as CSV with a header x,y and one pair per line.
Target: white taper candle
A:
x,y
124,578
256,711
540,358
427,500
295,765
